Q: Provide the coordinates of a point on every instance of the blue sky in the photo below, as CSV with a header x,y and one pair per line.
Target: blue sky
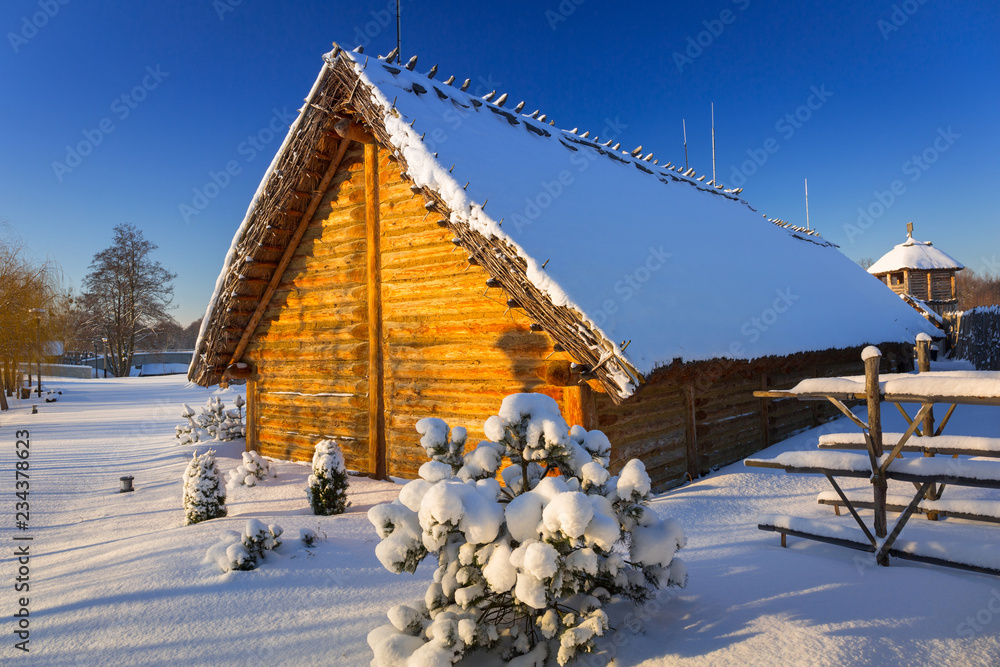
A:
x,y
888,108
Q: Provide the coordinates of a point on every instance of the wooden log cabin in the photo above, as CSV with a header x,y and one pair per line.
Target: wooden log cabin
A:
x,y
918,270
414,250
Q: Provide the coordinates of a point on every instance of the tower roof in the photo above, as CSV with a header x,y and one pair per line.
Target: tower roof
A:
x,y
913,254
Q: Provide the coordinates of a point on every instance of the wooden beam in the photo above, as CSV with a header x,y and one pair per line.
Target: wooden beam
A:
x,y
376,370
252,409
879,483
352,131
286,256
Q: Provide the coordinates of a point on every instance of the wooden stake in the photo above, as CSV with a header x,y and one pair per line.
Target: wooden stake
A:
x,y
376,370
879,483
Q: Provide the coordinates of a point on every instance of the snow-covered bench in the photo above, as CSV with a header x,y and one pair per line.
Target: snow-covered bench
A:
x,y
882,459
972,510
983,558
923,472
960,472
946,445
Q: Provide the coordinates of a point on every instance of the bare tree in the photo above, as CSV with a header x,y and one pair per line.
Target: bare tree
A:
x,y
866,262
126,293
25,286
977,289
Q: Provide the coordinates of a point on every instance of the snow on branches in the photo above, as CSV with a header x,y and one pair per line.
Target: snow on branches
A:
x,y
254,467
524,569
244,551
327,490
204,497
214,422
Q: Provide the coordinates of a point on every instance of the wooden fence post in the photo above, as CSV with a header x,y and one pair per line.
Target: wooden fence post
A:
x,y
924,366
872,358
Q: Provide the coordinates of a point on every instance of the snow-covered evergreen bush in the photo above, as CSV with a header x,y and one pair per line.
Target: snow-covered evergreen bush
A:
x,y
244,551
214,422
525,569
204,497
254,468
327,490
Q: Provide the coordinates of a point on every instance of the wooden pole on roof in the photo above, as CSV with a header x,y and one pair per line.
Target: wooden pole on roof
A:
x,y
807,204
399,42
872,358
713,141
685,127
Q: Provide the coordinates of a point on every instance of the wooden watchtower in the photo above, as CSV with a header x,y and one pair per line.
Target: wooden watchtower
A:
x,y
919,270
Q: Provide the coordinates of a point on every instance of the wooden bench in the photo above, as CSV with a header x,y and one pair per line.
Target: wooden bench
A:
x,y
923,472
971,510
982,559
882,459
945,445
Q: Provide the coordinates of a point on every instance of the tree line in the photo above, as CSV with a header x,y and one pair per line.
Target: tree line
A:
x,y
124,307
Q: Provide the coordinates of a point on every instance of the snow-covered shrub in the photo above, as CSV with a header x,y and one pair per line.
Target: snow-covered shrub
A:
x,y
214,422
524,569
308,536
244,551
327,490
254,468
204,497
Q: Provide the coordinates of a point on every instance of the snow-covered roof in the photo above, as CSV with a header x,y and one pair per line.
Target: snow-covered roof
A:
x,y
913,254
600,245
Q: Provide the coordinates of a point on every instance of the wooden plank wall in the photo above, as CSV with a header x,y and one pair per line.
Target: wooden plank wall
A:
x,y
310,350
452,348
705,416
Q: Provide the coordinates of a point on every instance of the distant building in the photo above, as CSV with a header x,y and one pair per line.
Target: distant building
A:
x,y
918,270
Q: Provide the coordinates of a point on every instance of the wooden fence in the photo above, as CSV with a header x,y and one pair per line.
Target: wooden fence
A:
x,y
975,336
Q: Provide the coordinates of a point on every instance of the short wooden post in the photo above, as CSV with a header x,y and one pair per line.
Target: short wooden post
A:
x,y
924,366
872,358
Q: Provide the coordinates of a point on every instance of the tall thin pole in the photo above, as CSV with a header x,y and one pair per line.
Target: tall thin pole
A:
x,y
684,125
399,42
807,203
713,141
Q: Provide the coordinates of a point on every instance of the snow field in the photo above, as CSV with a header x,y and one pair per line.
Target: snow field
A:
x,y
117,580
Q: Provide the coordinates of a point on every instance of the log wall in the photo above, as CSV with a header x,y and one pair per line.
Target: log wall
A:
x,y
310,350
451,348
690,420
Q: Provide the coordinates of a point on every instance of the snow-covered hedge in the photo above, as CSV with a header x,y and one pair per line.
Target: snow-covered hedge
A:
x,y
525,569
327,490
204,497
254,468
244,551
214,422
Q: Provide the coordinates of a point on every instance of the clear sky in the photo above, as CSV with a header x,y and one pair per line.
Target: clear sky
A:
x,y
121,111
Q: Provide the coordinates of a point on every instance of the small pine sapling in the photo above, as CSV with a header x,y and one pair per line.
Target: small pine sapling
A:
x,y
204,497
214,422
327,490
244,550
254,468
524,569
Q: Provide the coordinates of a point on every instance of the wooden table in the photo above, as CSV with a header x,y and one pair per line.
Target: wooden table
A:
x,y
928,475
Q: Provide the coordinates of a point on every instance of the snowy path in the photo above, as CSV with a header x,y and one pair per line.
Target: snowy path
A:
x,y
116,579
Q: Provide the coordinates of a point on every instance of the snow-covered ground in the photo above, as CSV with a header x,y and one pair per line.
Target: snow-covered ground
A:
x,y
116,579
